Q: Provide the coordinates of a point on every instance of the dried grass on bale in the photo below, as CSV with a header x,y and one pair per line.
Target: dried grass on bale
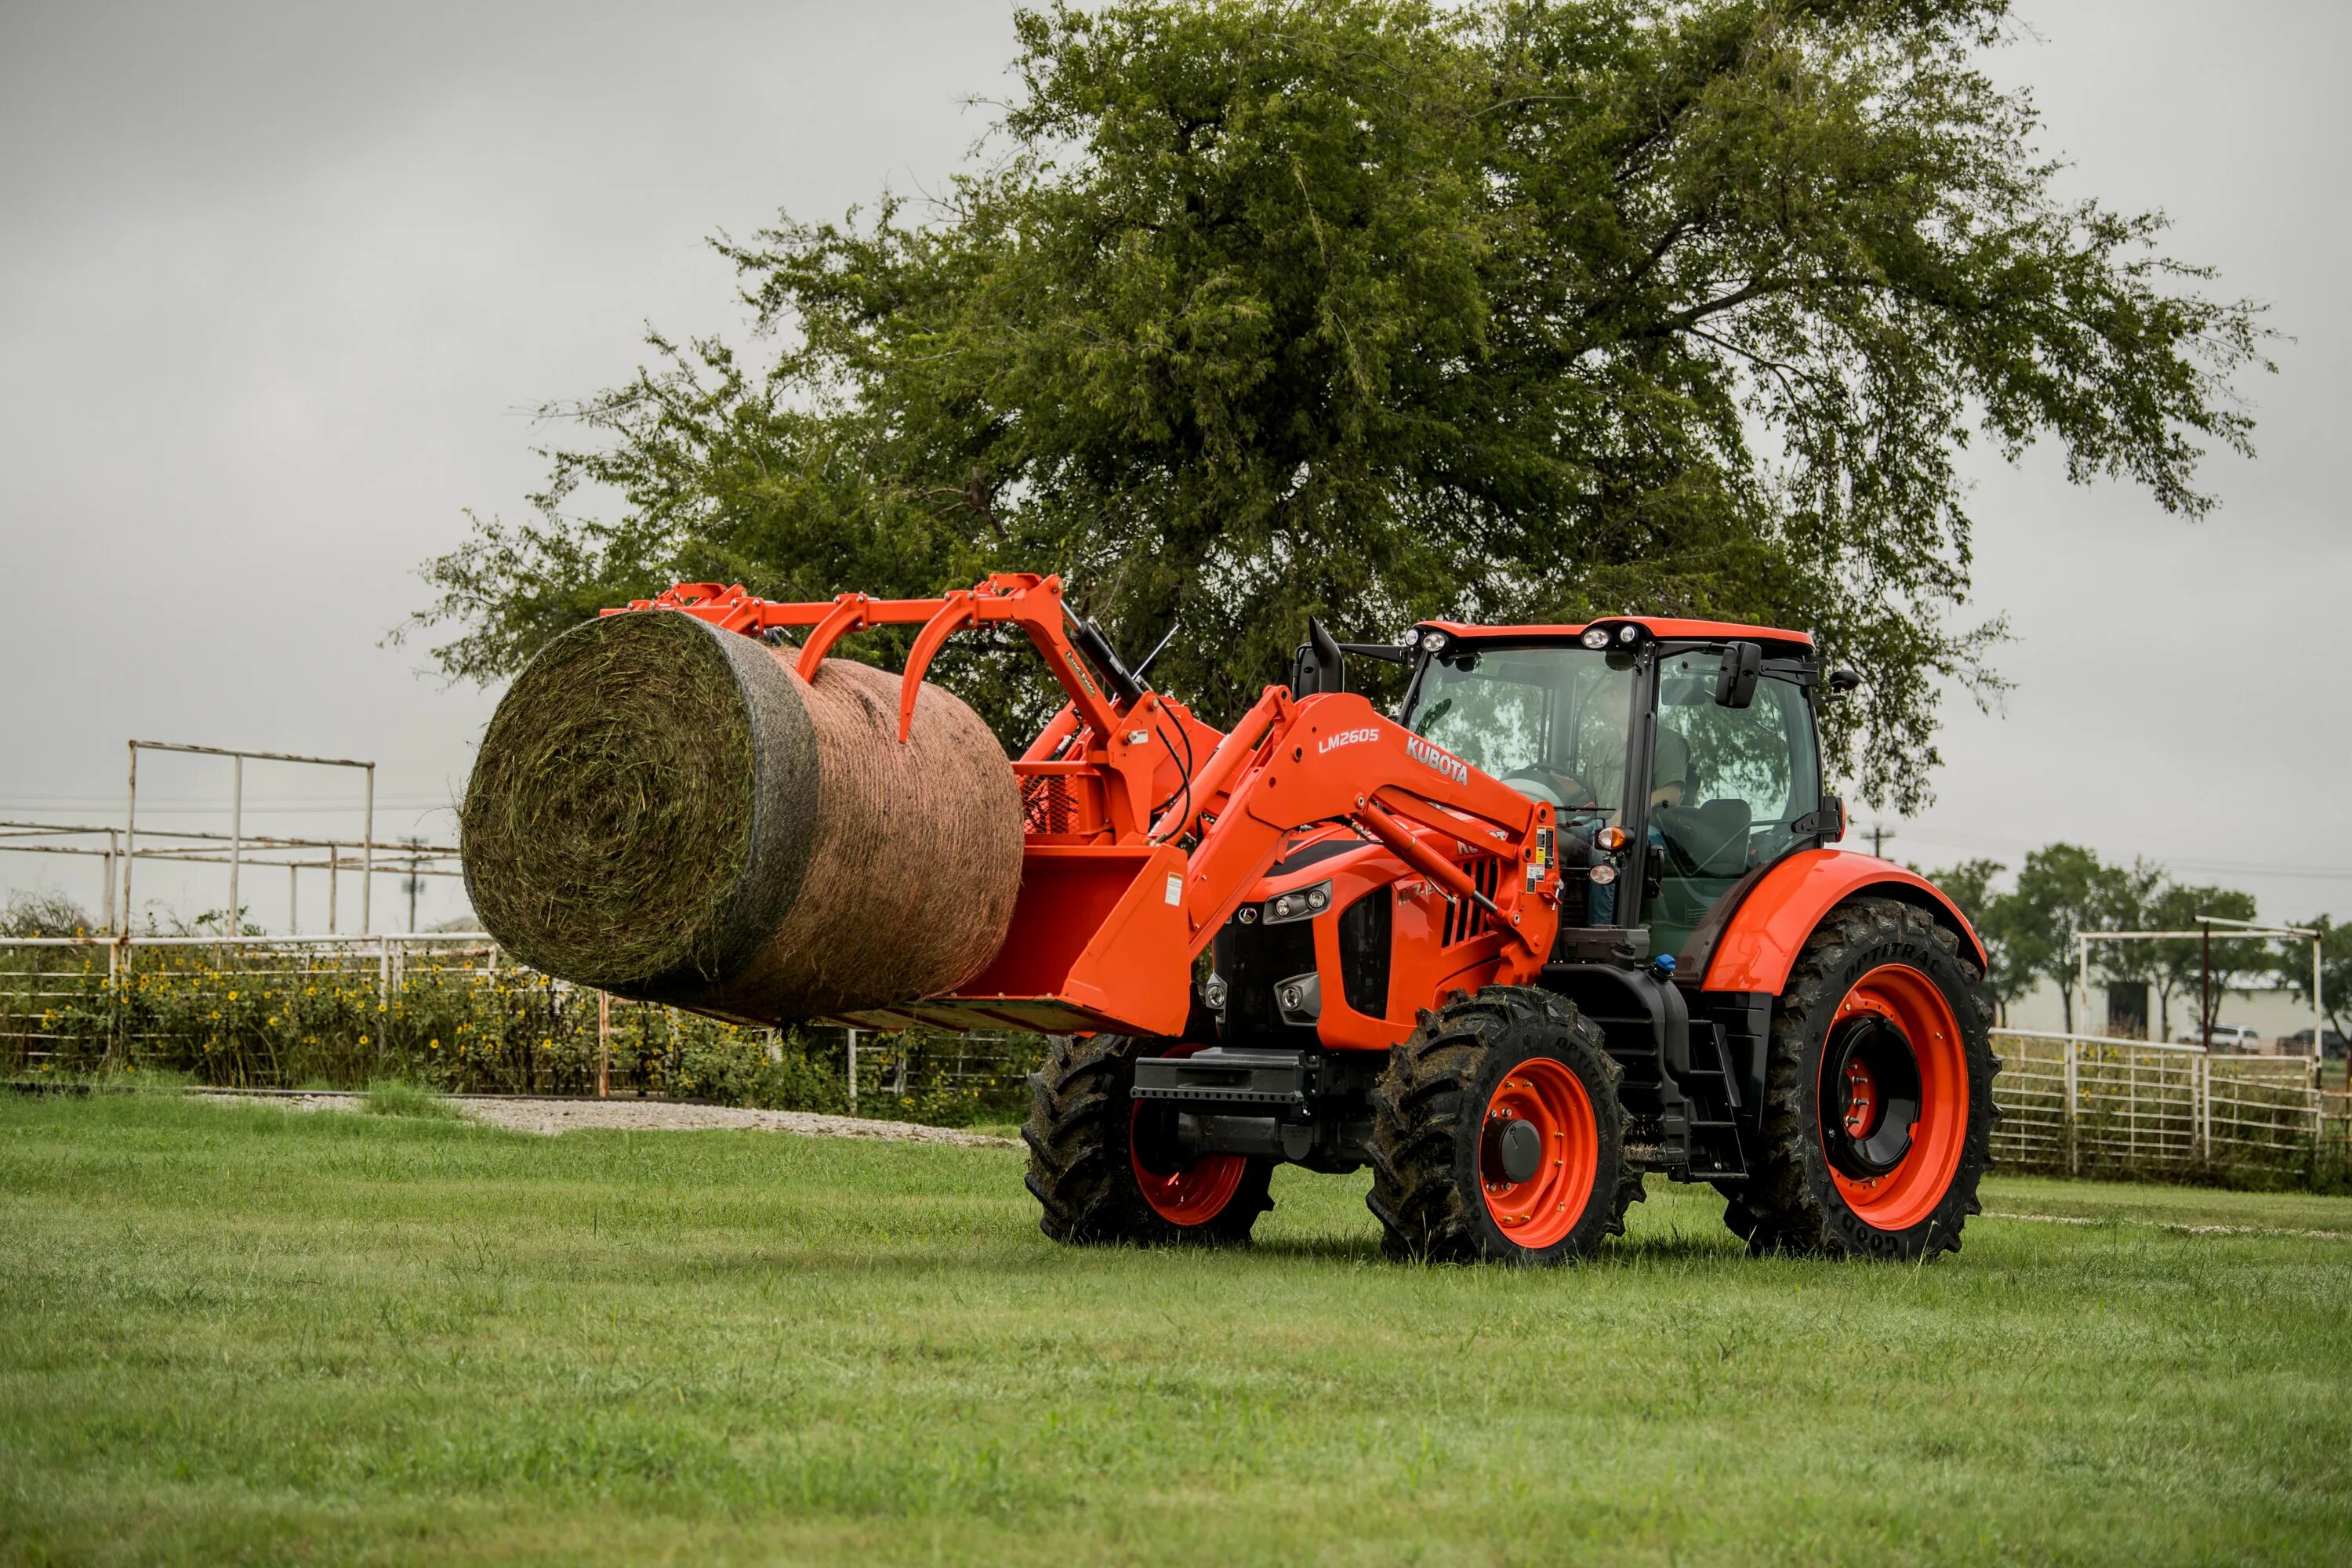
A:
x,y
668,812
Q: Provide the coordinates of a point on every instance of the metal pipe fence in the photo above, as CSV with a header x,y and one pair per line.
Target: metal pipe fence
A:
x,y
2087,1105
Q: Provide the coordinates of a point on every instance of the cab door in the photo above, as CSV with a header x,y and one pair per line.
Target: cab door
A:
x,y
1749,773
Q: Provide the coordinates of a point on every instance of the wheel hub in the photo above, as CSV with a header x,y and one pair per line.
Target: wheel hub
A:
x,y
1514,1149
1871,1099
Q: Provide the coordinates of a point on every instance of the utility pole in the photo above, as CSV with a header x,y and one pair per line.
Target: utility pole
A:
x,y
413,883
1879,834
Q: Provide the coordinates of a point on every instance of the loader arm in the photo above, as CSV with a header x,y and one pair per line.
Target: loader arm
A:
x,y
1105,936
1146,828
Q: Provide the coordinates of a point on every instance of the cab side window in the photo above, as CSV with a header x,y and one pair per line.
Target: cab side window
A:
x,y
1748,775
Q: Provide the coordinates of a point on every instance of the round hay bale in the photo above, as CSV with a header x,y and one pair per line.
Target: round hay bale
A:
x,y
668,812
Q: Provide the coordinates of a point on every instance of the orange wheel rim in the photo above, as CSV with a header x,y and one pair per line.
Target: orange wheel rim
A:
x,y
1193,1195
1893,1097
1541,1106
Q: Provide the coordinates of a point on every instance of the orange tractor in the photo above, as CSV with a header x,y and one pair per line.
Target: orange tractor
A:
x,y
1568,916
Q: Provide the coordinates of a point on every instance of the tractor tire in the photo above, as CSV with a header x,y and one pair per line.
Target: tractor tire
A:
x,y
1084,1172
1878,1110
1454,1179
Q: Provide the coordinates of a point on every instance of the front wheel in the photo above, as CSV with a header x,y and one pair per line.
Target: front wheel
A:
x,y
1098,1183
1497,1134
1878,1108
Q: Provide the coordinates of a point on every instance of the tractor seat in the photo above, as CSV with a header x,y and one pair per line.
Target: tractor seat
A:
x,y
1708,840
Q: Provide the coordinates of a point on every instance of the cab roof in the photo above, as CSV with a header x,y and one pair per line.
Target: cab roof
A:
x,y
1663,628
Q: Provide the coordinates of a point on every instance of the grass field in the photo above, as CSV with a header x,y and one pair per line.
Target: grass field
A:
x,y
239,1334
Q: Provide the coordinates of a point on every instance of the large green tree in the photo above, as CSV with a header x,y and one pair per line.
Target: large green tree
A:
x,y
1376,310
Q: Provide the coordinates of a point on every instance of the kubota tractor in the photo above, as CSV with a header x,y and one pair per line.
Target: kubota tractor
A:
x,y
1568,916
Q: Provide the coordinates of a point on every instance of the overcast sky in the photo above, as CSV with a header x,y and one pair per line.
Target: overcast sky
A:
x,y
279,283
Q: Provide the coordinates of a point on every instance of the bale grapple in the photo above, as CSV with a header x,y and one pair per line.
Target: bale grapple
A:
x,y
1571,915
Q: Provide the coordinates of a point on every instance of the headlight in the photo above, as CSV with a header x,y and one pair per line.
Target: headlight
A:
x,y
1302,904
1596,637
1431,641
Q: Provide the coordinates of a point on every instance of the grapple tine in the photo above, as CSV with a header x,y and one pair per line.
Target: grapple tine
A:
x,y
953,616
848,611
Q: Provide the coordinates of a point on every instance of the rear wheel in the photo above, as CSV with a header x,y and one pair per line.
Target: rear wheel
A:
x,y
1098,1181
1878,1093
1497,1134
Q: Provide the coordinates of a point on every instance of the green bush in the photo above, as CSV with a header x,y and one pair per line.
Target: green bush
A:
x,y
227,1018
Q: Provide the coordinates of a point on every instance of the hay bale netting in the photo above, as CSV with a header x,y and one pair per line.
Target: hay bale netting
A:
x,y
668,812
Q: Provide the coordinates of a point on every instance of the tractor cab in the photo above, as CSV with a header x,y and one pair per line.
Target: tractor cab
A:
x,y
1680,757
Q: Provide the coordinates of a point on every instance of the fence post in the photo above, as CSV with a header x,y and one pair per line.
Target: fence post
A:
x,y
2200,1107
852,1072
235,842
2073,1155
2131,1105
603,1045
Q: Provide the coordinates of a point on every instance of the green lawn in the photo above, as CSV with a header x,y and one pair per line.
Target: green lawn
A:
x,y
244,1334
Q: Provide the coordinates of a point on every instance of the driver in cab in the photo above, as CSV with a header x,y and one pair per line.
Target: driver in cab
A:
x,y
1590,803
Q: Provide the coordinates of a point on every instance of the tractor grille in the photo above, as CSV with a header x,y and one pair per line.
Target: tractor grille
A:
x,y
1465,919
1252,959
1364,953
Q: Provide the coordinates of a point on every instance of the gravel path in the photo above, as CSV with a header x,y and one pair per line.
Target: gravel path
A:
x,y
553,1116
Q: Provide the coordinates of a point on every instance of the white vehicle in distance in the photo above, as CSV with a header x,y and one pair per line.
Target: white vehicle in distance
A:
x,y
2235,1038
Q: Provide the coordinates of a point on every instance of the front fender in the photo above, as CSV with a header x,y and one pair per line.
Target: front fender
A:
x,y
1762,938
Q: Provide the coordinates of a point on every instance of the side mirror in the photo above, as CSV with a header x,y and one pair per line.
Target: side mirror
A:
x,y
1736,687
1316,667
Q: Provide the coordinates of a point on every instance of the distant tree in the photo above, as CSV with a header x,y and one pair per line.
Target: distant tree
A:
x,y
1992,913
2177,965
1382,309
2293,963
2062,889
2125,897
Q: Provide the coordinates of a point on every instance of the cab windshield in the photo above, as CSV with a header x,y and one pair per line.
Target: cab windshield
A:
x,y
1551,722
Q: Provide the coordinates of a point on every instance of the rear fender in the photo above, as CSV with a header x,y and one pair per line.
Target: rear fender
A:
x,y
1762,937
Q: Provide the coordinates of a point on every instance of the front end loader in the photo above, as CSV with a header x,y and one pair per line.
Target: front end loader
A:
x,y
1571,915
